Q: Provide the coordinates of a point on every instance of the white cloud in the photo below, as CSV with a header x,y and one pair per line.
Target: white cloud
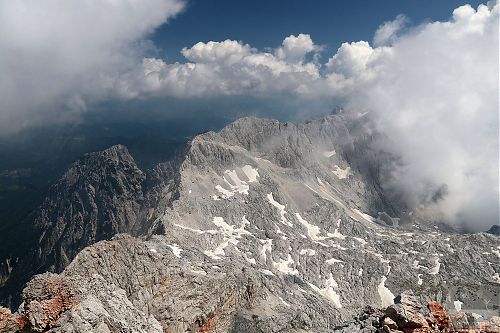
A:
x,y
387,33
351,58
228,51
435,95
56,54
226,68
295,48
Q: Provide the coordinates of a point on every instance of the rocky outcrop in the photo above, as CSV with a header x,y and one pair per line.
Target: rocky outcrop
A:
x,y
406,312
12,322
409,316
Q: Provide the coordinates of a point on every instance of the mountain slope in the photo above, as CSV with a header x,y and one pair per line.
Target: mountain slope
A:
x,y
266,227
101,195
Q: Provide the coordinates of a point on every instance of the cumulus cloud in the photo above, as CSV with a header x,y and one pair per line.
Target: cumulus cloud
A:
x,y
56,55
295,48
227,68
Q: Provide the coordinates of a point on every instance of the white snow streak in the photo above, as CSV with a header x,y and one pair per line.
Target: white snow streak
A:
x,y
386,296
341,173
328,291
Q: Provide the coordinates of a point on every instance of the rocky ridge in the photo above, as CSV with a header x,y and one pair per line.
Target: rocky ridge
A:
x,y
100,195
266,227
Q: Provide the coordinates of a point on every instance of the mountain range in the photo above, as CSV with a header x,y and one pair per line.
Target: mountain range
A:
x,y
263,226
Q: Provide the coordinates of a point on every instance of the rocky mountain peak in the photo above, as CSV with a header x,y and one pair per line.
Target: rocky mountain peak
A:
x,y
262,227
102,194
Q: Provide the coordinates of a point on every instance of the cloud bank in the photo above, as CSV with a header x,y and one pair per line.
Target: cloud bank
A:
x,y
57,55
431,89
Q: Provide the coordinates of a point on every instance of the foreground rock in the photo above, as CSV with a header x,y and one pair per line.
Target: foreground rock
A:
x,y
409,316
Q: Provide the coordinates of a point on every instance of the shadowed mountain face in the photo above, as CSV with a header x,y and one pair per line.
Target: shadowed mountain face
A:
x,y
101,195
261,227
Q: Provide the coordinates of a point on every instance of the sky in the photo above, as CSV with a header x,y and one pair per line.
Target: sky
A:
x,y
424,72
262,23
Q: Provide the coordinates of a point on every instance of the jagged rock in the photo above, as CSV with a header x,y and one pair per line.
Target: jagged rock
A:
x,y
494,230
460,322
406,312
390,323
12,323
45,298
439,314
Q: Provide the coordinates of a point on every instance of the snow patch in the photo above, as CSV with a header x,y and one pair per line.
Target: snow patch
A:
x,y
267,246
365,216
420,281
281,209
341,173
225,193
336,233
286,266
199,271
266,272
328,291
386,296
332,261
176,250
435,269
312,230
251,173
250,260
329,154
235,184
360,240
309,252
197,231
230,235
283,301
458,305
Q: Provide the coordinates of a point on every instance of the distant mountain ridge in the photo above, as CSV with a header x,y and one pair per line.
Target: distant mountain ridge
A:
x,y
261,227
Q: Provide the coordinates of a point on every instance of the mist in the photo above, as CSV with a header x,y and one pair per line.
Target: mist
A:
x,y
435,97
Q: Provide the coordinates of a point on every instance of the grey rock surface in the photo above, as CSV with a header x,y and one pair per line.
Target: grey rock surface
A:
x,y
101,195
264,227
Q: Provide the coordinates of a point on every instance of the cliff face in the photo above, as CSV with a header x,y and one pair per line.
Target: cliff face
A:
x,y
102,194
262,227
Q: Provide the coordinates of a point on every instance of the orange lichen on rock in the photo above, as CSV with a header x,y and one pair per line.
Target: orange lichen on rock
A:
x,y
11,322
46,300
440,315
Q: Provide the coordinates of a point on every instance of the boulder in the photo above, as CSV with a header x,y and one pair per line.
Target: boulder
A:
x,y
406,312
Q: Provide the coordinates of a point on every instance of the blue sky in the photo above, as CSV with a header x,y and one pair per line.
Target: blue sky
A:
x,y
262,23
